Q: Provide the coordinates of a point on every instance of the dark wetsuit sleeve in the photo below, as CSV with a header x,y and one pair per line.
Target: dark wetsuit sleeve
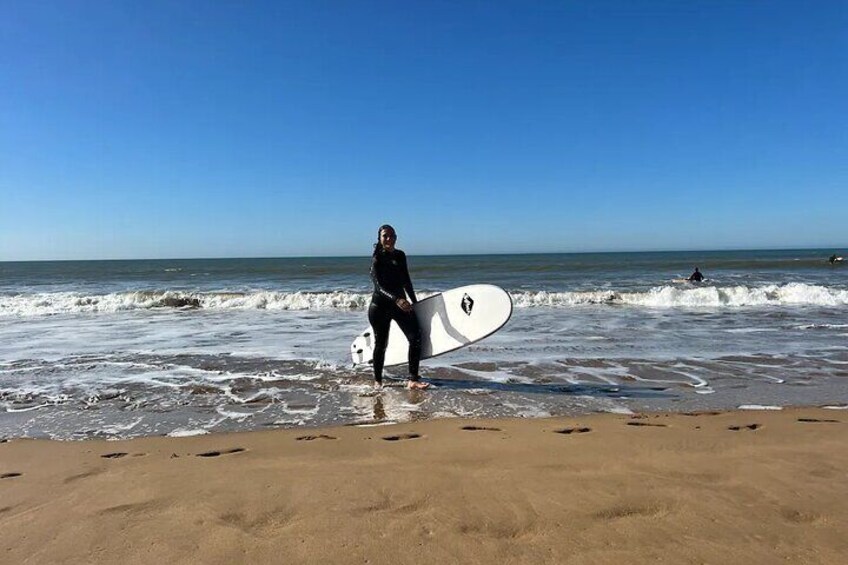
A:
x,y
376,276
407,283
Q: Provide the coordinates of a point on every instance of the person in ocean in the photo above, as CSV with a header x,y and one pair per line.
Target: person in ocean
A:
x,y
696,276
392,299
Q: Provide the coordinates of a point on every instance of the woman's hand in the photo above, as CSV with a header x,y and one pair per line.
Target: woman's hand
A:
x,y
404,305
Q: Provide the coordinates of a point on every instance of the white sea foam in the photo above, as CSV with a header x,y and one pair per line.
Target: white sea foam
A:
x,y
375,424
736,296
544,298
232,414
120,428
28,408
791,294
73,302
619,410
187,433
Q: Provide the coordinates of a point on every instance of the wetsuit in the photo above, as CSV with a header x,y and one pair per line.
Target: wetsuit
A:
x,y
391,283
696,276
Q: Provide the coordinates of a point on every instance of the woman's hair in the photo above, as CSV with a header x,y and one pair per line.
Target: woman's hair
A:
x,y
379,246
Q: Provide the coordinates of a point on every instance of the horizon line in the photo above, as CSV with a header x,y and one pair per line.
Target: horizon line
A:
x,y
505,253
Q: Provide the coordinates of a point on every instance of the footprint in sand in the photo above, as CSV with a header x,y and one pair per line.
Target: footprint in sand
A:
x,y
10,475
81,476
648,424
801,516
740,428
310,438
480,429
573,431
116,455
401,436
221,452
634,510
810,420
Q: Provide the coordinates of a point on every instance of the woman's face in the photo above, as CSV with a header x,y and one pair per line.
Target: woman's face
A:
x,y
387,239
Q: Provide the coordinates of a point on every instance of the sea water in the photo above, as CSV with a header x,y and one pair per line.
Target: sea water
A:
x,y
180,347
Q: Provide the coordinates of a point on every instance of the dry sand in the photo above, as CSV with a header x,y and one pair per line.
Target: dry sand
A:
x,y
737,487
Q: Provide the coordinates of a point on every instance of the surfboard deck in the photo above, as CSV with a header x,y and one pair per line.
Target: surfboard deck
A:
x,y
448,321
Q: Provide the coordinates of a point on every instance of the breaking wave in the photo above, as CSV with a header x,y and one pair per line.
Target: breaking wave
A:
x,y
792,294
72,302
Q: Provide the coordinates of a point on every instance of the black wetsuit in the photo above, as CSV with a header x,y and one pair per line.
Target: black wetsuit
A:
x,y
696,276
390,275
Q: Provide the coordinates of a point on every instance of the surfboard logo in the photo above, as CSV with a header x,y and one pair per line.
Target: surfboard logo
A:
x,y
467,304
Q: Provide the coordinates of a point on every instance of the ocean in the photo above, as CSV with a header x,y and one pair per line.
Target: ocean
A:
x,y
119,349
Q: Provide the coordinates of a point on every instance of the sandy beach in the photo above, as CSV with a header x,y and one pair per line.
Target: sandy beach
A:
x,y
734,487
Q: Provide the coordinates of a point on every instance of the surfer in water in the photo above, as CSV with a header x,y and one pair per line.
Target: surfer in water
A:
x,y
392,286
696,276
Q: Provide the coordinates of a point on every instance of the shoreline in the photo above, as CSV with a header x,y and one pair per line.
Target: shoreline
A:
x,y
395,405
707,487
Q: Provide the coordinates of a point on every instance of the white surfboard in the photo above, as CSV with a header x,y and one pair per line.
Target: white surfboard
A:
x,y
449,320
687,281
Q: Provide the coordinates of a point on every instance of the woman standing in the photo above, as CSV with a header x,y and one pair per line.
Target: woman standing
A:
x,y
392,286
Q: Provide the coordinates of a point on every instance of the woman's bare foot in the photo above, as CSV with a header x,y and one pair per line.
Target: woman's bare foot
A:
x,y
416,385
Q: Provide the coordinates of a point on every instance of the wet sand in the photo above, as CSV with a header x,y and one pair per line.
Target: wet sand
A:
x,y
733,487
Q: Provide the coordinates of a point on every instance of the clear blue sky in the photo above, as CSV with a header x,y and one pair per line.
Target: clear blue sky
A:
x,y
220,129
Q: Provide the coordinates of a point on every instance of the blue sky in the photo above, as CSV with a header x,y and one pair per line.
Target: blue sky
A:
x,y
221,129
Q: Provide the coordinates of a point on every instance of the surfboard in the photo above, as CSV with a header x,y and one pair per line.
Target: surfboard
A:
x,y
448,320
